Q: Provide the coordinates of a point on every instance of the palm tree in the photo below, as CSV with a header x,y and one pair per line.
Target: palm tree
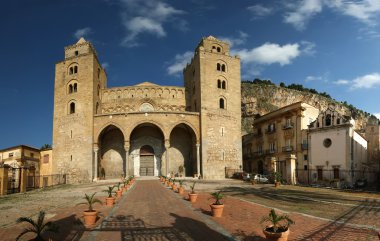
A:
x,y
45,147
90,200
38,227
276,220
218,196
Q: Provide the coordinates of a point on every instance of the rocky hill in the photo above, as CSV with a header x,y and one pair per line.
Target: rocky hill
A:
x,y
260,97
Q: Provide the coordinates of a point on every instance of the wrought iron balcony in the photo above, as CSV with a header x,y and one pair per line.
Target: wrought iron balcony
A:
x,y
258,153
287,148
270,151
288,126
270,131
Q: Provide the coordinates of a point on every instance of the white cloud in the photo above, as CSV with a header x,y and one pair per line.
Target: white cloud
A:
x,y
260,11
313,78
105,65
233,41
377,115
83,32
300,14
179,63
270,53
365,10
308,48
366,82
147,16
341,82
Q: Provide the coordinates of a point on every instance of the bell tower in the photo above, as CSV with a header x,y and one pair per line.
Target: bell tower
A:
x,y
79,79
213,83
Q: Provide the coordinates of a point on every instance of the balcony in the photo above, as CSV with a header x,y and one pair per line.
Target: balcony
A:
x,y
287,148
288,126
270,151
304,146
258,153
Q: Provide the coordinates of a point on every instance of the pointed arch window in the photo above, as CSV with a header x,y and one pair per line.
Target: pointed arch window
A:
x,y
328,120
222,103
223,68
223,85
218,67
219,84
70,89
72,108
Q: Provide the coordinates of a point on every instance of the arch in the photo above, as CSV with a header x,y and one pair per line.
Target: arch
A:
x,y
150,122
222,103
191,126
219,84
224,84
221,66
72,68
72,108
72,86
147,150
328,120
111,163
218,67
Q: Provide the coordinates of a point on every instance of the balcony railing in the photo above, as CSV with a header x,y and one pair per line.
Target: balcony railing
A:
x,y
258,153
288,126
304,146
287,148
270,151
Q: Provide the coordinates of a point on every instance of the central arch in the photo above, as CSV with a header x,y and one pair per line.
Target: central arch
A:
x,y
146,150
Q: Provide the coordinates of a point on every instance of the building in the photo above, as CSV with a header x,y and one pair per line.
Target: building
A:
x,y
337,151
147,129
21,156
279,142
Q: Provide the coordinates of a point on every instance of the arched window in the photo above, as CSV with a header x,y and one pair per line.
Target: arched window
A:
x,y
70,89
75,88
219,84
218,49
213,47
338,121
218,67
222,104
71,70
328,120
72,108
223,84
223,68
75,69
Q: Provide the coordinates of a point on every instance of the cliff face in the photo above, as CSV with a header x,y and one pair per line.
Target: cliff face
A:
x,y
259,99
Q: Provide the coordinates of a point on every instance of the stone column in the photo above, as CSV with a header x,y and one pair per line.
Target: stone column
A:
x,y
291,169
23,179
3,180
198,160
126,148
96,149
167,146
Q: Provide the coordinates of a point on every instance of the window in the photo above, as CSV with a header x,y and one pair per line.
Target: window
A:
x,y
221,103
98,90
75,88
46,158
223,68
98,73
75,69
338,121
72,108
219,84
272,147
10,154
218,67
327,142
305,167
97,108
70,89
260,149
336,172
223,84
76,53
221,131
271,127
305,157
218,49
328,120
32,155
222,155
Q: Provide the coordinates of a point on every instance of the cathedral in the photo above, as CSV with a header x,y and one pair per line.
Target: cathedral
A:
x,y
147,129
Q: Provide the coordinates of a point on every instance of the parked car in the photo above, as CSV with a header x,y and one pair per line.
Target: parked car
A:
x,y
260,178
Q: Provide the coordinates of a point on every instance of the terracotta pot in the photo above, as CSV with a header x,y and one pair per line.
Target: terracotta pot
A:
x,y
193,197
277,184
217,210
174,187
119,193
181,190
283,236
110,201
90,217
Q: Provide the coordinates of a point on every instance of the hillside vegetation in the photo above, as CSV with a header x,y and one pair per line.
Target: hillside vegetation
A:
x,y
262,96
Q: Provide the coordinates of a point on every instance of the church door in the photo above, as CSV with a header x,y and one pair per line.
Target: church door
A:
x,y
146,161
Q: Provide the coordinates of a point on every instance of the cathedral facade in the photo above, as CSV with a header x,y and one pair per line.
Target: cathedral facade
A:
x,y
147,129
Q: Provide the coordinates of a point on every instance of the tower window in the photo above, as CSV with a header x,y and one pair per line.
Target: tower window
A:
x,y
76,69
70,89
218,67
76,53
72,108
224,85
218,49
73,70
222,104
98,73
75,88
219,84
97,108
223,68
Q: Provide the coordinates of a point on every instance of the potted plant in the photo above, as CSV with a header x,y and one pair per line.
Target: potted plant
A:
x,y
110,200
180,188
38,227
90,214
277,179
217,206
174,186
278,228
118,192
192,195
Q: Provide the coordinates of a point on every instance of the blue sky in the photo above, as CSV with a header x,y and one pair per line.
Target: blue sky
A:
x,y
331,46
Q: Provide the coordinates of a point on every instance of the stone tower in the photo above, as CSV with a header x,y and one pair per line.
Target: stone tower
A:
x,y
78,81
212,82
